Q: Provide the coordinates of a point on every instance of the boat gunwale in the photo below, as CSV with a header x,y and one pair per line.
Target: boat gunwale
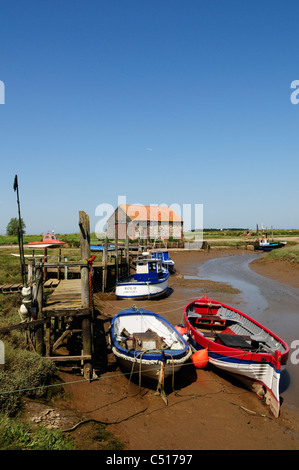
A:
x,y
222,349
156,354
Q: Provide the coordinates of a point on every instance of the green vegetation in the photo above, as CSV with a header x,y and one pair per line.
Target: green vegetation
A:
x,y
287,253
27,374
17,435
72,239
229,243
237,238
9,267
245,233
12,228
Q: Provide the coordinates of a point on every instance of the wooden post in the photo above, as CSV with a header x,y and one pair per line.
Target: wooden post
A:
x,y
127,253
48,337
39,332
104,265
30,270
59,261
45,260
65,268
85,292
116,253
121,262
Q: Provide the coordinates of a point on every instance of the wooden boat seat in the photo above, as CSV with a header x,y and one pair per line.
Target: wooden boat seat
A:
x,y
234,341
210,320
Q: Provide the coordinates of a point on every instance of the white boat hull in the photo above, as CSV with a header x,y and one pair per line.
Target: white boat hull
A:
x,y
149,369
258,376
154,358
141,290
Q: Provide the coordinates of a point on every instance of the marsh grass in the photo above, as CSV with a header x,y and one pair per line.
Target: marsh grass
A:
x,y
72,239
10,271
17,435
287,253
25,374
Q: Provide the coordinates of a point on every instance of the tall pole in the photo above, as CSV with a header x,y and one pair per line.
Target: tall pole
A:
x,y
85,293
20,233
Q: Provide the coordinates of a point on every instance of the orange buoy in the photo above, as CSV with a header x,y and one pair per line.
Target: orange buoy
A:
x,y
200,358
181,329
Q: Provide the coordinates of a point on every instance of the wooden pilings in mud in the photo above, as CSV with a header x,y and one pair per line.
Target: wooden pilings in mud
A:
x,y
86,292
61,328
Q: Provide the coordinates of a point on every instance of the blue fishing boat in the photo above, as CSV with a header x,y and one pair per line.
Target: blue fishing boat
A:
x,y
148,282
166,261
265,245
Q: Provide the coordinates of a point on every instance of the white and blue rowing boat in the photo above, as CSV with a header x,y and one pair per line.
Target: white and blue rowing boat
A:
x,y
146,343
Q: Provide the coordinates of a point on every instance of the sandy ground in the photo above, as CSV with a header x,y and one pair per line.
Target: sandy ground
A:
x,y
205,410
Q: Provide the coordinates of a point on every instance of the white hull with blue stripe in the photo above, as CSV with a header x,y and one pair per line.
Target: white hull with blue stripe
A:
x,y
146,344
149,282
254,375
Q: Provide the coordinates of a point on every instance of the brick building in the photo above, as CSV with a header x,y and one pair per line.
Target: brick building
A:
x,y
146,222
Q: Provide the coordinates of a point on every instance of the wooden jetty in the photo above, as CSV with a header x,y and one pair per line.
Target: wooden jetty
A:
x,y
67,296
10,288
61,326
67,316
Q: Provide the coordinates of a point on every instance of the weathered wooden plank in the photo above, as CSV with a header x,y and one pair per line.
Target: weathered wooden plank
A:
x,y
69,358
22,326
67,312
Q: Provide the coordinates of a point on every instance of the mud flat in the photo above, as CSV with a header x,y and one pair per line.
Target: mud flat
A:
x,y
205,409
282,271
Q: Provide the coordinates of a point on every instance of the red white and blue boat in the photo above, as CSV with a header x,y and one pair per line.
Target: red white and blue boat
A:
x,y
146,344
150,281
238,345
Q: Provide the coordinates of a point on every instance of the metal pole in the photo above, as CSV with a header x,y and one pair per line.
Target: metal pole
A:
x,y
20,233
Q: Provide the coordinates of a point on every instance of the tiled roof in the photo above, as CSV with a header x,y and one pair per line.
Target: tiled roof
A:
x,y
151,213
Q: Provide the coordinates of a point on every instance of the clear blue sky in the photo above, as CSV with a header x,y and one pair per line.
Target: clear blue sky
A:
x,y
163,101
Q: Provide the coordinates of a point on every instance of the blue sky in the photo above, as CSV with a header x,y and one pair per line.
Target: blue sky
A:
x,y
163,101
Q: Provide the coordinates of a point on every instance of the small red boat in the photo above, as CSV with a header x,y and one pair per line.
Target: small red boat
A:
x,y
239,345
49,240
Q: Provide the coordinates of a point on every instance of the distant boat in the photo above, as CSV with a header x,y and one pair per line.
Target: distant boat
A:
x,y
145,343
101,247
166,261
149,281
265,245
238,345
49,240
